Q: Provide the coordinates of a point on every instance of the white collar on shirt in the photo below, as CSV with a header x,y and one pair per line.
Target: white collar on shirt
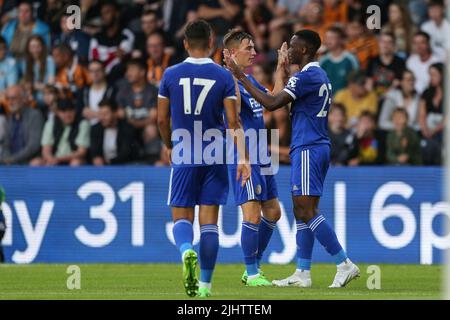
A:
x,y
311,64
198,60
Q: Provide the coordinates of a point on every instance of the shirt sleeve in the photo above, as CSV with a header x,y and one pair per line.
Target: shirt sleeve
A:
x,y
47,135
163,87
295,86
83,137
230,89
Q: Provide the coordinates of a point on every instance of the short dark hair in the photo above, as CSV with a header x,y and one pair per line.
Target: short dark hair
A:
x,y
400,110
65,104
159,34
368,114
111,3
433,3
388,34
337,30
97,61
64,48
197,34
149,12
339,107
423,34
108,103
234,37
138,62
311,38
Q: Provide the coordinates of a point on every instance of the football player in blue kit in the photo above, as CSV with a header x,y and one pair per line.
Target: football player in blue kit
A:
x,y
193,97
260,192
309,91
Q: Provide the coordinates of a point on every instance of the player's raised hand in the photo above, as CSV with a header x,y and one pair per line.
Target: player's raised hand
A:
x,y
283,58
230,63
244,171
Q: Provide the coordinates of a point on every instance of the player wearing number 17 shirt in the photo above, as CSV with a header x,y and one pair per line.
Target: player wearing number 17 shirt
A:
x,y
193,97
309,91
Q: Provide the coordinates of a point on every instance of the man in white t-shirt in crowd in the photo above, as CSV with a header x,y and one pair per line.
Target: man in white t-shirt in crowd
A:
x,y
438,28
96,92
112,139
421,59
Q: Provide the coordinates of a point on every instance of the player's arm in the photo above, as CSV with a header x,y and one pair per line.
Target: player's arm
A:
x,y
164,121
236,130
268,101
238,95
282,71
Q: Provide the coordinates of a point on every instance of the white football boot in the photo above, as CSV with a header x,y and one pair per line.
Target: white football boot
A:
x,y
300,278
346,272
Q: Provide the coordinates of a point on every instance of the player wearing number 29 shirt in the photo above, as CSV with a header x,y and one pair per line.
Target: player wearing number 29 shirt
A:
x,y
309,92
193,97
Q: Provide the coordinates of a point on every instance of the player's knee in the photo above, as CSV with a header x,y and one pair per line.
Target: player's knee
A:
x,y
273,214
255,219
304,215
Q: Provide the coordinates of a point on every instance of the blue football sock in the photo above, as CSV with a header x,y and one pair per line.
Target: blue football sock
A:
x,y
265,232
327,237
305,244
209,247
183,235
249,244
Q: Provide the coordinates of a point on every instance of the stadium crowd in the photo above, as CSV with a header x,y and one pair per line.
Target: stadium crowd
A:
x,y
73,96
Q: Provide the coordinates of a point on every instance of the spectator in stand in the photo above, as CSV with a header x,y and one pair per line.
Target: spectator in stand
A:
x,y
431,116
438,28
222,14
369,145
399,23
158,59
356,98
38,67
91,21
361,42
403,143
338,63
355,9
113,44
51,12
137,98
70,76
97,91
311,17
50,99
23,128
16,32
343,142
285,15
256,19
385,70
152,145
75,38
418,11
112,139
335,12
150,23
9,75
405,97
65,139
2,133
421,60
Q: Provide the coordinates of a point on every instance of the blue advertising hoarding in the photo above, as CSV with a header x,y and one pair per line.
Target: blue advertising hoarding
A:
x,y
120,214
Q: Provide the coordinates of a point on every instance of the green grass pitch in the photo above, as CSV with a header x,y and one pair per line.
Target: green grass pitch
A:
x,y
163,281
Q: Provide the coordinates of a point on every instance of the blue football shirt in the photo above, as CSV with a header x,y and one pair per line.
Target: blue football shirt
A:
x,y
196,89
311,90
